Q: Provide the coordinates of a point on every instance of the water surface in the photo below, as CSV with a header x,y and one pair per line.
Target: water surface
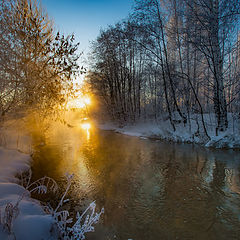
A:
x,y
150,190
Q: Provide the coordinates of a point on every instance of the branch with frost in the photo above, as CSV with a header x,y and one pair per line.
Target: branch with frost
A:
x,y
41,186
85,222
11,211
69,182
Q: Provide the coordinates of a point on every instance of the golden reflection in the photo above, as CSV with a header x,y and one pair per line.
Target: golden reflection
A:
x,y
86,127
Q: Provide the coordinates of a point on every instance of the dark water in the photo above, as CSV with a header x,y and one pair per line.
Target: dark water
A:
x,y
150,190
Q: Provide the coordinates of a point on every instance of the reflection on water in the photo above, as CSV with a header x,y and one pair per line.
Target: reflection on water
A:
x,y
86,126
150,190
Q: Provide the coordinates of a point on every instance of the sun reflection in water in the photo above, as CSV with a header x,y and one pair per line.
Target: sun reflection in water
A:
x,y
86,127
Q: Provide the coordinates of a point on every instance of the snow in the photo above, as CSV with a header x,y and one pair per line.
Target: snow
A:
x,y
161,130
31,221
12,162
21,217
33,227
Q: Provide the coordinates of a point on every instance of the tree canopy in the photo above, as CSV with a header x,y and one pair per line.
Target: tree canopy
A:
x,y
36,63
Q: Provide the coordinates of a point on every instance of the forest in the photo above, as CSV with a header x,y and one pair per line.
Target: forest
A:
x,y
170,59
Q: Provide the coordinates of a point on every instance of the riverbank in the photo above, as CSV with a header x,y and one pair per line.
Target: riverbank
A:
x,y
22,217
162,130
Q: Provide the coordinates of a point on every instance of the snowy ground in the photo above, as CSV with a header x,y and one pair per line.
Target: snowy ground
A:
x,y
31,222
161,129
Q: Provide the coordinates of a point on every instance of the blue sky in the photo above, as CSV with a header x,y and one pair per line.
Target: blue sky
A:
x,y
85,18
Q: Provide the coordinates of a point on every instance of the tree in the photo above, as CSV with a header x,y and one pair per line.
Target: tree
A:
x,y
36,65
215,20
177,58
115,61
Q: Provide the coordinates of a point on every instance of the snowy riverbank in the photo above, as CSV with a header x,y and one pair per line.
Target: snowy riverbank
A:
x,y
161,130
22,217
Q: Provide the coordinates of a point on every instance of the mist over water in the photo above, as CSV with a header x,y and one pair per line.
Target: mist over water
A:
x,y
149,189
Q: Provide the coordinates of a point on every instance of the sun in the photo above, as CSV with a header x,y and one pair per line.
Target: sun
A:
x,y
87,100
80,102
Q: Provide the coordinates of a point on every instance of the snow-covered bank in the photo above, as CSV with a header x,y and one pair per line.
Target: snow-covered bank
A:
x,y
162,130
22,217
28,220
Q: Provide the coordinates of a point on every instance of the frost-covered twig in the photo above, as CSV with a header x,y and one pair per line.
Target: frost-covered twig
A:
x,y
41,186
84,223
69,181
10,213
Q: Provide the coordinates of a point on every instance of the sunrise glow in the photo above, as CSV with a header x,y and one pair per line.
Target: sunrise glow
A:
x,y
79,102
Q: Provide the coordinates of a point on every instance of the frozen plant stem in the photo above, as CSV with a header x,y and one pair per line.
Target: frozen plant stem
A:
x,y
69,179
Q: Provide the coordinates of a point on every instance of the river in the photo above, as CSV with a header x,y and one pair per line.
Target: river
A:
x,y
150,189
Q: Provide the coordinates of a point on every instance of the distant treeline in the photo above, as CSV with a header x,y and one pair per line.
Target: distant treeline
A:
x,y
170,58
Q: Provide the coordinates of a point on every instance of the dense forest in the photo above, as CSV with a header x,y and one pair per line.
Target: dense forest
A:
x,y
170,59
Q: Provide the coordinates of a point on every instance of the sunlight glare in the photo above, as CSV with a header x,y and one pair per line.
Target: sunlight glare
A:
x,y
80,102
87,100
86,126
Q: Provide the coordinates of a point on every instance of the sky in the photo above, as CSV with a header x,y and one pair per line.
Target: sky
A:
x,y
85,18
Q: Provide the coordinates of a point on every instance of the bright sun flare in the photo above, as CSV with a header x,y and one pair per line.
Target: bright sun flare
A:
x,y
86,126
80,102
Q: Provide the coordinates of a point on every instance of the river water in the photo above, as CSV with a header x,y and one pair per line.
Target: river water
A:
x,y
150,190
